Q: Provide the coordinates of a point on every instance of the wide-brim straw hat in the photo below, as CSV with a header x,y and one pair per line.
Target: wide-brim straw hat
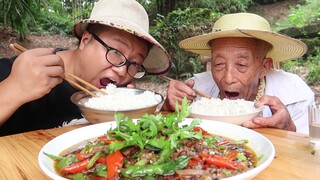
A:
x,y
130,16
251,26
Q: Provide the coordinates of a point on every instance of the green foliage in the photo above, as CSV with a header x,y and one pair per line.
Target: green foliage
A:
x,y
19,14
225,6
42,16
312,63
290,66
179,25
301,15
53,21
230,6
266,1
186,22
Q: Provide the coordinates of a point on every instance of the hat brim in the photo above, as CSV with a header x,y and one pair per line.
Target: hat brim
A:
x,y
158,60
283,47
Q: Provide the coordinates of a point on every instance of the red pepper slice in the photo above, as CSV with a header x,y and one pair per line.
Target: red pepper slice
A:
x,y
232,155
101,160
76,167
220,161
194,161
107,141
223,142
114,163
199,129
82,156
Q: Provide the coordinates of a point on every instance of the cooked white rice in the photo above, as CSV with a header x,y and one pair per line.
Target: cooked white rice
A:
x,y
225,107
117,100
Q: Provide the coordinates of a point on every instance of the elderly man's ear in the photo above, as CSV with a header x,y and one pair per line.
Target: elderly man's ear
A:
x,y
266,66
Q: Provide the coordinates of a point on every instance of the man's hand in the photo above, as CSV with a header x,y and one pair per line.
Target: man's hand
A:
x,y
34,73
280,115
177,90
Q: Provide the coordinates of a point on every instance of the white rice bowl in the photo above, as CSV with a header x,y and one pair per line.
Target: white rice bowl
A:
x,y
131,102
117,100
232,111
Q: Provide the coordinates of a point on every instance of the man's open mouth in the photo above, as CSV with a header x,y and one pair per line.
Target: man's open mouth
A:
x,y
231,95
105,81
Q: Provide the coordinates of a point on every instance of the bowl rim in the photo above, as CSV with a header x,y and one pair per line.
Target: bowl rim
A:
x,y
257,110
83,94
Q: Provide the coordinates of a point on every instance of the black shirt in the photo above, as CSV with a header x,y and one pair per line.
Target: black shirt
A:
x,y
47,112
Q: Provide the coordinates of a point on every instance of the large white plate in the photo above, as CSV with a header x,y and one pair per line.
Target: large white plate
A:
x,y
261,145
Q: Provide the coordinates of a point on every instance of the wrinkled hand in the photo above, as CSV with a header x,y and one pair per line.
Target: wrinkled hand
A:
x,y
177,90
34,73
280,115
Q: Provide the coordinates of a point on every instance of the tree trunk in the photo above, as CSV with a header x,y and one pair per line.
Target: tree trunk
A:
x,y
5,21
5,15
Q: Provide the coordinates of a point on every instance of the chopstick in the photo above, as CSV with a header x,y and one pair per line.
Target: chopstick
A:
x,y
166,78
84,82
19,49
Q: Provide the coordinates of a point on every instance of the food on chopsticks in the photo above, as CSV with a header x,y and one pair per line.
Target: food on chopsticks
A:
x,y
118,100
224,107
156,147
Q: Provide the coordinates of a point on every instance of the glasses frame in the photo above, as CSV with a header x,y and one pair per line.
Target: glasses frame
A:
x,y
126,62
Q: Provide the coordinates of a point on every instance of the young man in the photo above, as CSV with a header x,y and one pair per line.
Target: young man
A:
x,y
243,48
114,47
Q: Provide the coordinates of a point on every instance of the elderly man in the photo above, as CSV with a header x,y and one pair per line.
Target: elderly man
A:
x,y
242,49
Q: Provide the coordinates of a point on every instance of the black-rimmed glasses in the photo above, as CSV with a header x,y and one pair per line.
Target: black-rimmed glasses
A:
x,y
116,58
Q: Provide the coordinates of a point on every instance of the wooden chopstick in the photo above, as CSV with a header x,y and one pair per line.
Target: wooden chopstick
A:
x,y
166,78
19,49
84,82
80,87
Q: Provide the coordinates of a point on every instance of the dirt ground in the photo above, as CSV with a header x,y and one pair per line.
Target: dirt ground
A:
x,y
271,12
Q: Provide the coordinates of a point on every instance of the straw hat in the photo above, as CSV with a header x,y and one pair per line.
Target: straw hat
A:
x,y
130,16
247,25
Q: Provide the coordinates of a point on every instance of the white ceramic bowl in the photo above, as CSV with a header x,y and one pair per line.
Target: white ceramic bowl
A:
x,y
97,115
260,144
237,119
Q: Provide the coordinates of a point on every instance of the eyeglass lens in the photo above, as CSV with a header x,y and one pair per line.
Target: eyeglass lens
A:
x,y
116,58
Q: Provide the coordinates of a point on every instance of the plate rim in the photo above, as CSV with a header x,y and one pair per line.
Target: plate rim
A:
x,y
110,124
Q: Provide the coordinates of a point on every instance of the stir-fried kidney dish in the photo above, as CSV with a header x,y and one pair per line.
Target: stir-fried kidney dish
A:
x,y
156,147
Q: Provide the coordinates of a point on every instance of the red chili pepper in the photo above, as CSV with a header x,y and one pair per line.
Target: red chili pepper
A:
x,y
76,167
194,161
223,142
107,141
114,163
101,160
232,155
220,161
199,129
82,156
